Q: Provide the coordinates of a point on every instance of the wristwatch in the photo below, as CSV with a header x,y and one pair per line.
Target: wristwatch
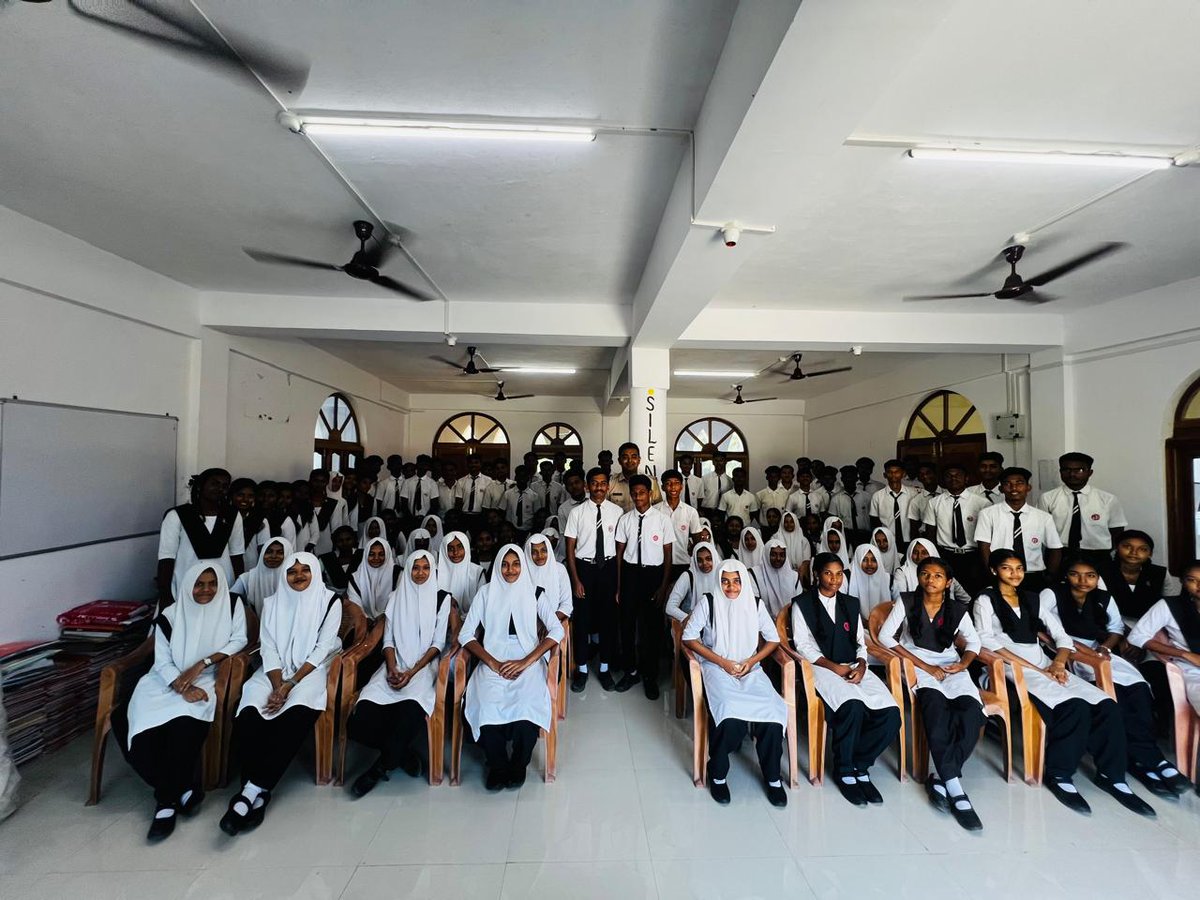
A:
x,y
207,661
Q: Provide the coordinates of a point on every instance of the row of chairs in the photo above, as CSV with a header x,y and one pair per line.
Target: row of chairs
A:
x,y
330,733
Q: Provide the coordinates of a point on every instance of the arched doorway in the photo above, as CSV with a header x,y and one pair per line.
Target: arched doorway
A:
x,y
556,437
1183,481
470,434
337,445
704,437
945,428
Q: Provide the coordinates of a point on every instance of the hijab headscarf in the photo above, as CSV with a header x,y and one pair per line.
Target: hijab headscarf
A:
x,y
461,579
777,586
823,547
371,588
262,581
798,548
366,528
514,603
701,583
890,558
750,558
735,622
293,618
767,528
556,541
548,576
706,525
200,629
418,534
871,590
905,578
412,611
435,539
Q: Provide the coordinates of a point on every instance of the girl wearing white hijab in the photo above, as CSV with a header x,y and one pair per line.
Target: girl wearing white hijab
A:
x,y
371,584
888,554
456,573
162,730
750,547
867,580
733,633
549,574
433,525
372,527
706,535
507,697
259,583
419,539
777,581
699,579
560,546
904,580
390,713
842,551
798,549
282,700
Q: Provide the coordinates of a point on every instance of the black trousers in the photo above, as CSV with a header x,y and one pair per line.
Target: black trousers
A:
x,y
968,568
597,611
860,734
727,737
166,757
390,728
1137,715
268,746
952,729
1075,727
494,740
641,619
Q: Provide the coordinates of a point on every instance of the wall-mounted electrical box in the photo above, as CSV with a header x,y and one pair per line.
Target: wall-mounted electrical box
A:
x,y
1008,427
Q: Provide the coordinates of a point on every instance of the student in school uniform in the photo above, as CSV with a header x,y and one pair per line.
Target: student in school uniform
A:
x,y
549,575
469,491
833,540
777,581
990,465
389,489
520,503
700,578
749,548
693,484
389,716
255,585
604,460
341,562
714,485
205,529
446,486
575,486
799,550
732,633
866,470
162,729
550,493
774,494
852,506
360,504
729,536
1179,618
433,524
457,573
827,630
1078,716
923,627
644,550
280,702
371,584
243,496
866,580
1026,530
708,533
276,518
904,579
787,480
1089,615
949,520
560,466
328,513
507,699
591,559
419,494
808,498
1089,520
739,500
418,539
629,457
684,519
1135,582
493,495
891,504
931,487
885,544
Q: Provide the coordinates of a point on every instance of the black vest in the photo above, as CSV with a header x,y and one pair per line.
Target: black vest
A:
x,y
1087,624
275,519
1022,629
335,576
837,637
936,636
326,513
206,544
1183,608
1135,600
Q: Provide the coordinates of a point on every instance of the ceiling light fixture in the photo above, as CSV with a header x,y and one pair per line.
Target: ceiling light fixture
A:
x,y
536,370
697,373
1027,157
383,126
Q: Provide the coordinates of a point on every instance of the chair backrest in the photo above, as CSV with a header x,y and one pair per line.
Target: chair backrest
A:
x,y
878,616
354,623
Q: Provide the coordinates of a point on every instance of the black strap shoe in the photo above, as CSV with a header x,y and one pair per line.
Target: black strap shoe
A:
x,y
719,792
965,815
193,803
578,682
1127,799
366,782
939,799
606,680
1072,800
627,681
776,795
161,828
851,791
258,811
516,778
233,822
1153,782
651,689
869,791
496,779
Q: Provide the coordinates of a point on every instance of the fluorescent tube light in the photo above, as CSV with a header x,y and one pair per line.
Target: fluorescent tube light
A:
x,y
318,125
696,373
1026,157
536,370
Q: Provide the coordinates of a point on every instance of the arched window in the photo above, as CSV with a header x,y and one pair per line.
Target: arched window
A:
x,y
337,443
945,427
470,434
704,437
1183,481
555,437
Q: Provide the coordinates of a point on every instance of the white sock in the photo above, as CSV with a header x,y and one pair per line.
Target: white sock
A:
x,y
603,667
849,779
775,783
165,813
1168,771
632,674
1067,786
718,781
940,788
863,777
250,791
1122,787
962,803
954,787
583,669
187,795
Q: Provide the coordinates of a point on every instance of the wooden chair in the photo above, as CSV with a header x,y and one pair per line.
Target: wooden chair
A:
x,y
895,675
435,722
137,663
566,658
1186,719
464,664
700,711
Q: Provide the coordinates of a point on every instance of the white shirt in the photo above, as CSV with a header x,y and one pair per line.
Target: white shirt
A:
x,y
939,513
854,511
470,491
777,498
693,491
657,533
917,508
389,491
429,491
818,501
882,508
445,495
871,487
173,544
493,494
564,511
714,487
993,637
686,522
549,496
581,525
995,528
741,505
1157,618
525,501
996,495
806,644
1099,511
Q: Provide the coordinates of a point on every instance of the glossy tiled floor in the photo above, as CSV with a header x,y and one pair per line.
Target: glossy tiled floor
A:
x,y
622,822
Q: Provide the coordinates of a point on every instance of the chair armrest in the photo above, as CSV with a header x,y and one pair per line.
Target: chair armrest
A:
x,y
362,649
112,674
552,672
445,663
787,666
1101,665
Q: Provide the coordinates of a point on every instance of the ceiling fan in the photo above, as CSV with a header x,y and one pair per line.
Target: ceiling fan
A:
x,y
798,374
738,400
500,395
364,265
1018,288
470,368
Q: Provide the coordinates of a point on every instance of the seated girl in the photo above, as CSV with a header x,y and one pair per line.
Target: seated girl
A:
x,y
1135,582
776,580
885,543
904,579
698,579
341,562
455,571
833,540
866,580
256,585
1179,620
372,583
749,550
798,549
549,574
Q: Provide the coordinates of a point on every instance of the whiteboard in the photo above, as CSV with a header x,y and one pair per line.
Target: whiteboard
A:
x,y
71,476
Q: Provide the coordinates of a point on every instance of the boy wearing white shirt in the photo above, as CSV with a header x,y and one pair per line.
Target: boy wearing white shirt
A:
x,y
644,551
575,495
693,484
521,503
715,484
685,518
807,498
446,487
738,501
852,506
1089,520
950,521
1026,530
420,493
927,474
387,491
866,468
991,464
890,507
469,491
493,494
550,493
774,494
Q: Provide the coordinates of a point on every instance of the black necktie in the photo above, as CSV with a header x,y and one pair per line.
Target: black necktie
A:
x,y
807,505
895,514
1018,538
599,554
396,496
546,504
687,489
639,539
471,504
1075,535
520,509
853,511
959,532
987,493
417,498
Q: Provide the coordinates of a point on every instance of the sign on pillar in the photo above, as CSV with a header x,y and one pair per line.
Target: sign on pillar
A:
x,y
648,428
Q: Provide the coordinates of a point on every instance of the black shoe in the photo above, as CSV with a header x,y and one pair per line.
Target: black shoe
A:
x,y
650,688
939,799
606,680
851,791
496,779
516,778
776,796
967,817
1070,799
869,791
1154,783
1130,801
719,792
193,804
161,829
411,765
258,811
578,682
627,681
233,822
1177,782
365,783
